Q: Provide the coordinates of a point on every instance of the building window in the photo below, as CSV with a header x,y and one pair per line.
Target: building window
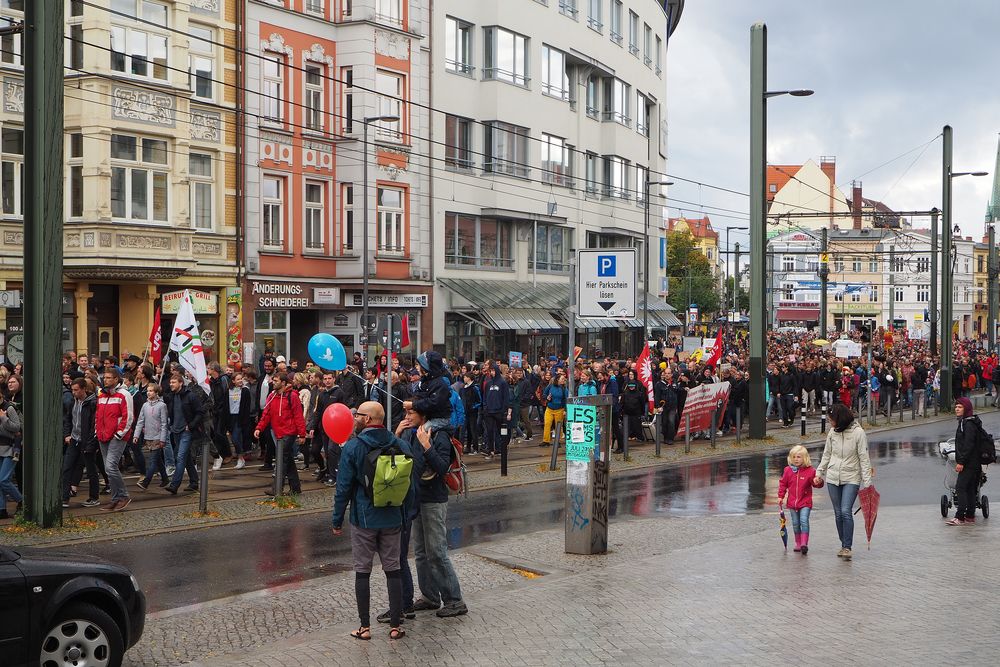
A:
x,y
616,177
593,103
647,45
856,297
11,11
856,265
923,264
140,49
75,46
568,7
12,171
75,175
201,60
472,241
555,81
201,178
315,7
458,142
314,97
458,46
897,264
787,263
873,294
838,264
591,173
633,33
979,264
506,56
872,266
899,293
390,103
139,178
980,288
923,293
272,230
788,291
314,215
346,8
812,263
838,296
772,187
506,149
557,163
347,214
641,114
391,222
549,249
659,56
272,90
347,102
595,15
642,185
616,22
616,101
389,11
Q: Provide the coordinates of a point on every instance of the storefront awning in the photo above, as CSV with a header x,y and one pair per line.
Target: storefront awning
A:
x,y
508,319
797,314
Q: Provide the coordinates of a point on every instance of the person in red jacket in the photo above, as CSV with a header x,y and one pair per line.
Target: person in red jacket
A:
x,y
283,413
796,491
113,423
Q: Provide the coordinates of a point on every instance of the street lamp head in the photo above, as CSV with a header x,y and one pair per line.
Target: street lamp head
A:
x,y
955,174
388,118
980,173
800,92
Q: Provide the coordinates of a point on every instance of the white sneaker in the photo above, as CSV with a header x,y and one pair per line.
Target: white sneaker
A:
x,y
218,464
241,464
170,471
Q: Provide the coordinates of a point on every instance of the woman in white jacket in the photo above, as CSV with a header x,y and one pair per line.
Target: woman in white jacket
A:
x,y
845,467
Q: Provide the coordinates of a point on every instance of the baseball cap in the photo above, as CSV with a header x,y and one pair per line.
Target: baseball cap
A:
x,y
280,359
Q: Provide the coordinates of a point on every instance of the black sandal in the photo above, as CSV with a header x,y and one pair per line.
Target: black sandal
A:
x,y
397,633
361,632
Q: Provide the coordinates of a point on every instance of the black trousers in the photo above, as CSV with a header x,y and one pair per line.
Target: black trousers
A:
x,y
669,425
491,432
75,458
966,489
291,471
788,403
472,430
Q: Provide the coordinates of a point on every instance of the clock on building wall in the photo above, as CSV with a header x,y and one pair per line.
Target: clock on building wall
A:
x,y
15,348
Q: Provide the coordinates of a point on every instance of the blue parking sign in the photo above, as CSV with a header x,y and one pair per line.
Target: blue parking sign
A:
x,y
606,266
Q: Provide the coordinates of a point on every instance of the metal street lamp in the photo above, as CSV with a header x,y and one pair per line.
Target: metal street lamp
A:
x,y
758,228
947,270
736,267
389,118
645,267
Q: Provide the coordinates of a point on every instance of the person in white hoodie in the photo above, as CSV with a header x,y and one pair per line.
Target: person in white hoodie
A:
x,y
846,468
152,424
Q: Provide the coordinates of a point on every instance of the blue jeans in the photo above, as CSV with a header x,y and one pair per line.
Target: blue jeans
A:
x,y
800,520
168,452
183,443
435,575
112,452
843,496
7,488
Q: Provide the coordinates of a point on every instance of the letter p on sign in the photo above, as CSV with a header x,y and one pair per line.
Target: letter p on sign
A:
x,y
606,266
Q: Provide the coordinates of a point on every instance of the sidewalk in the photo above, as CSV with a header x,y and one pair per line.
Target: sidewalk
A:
x,y
236,495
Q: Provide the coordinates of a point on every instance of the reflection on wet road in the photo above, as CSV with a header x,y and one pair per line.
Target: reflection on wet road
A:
x,y
178,569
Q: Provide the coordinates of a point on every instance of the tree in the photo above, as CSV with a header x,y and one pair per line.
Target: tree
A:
x,y
742,300
690,275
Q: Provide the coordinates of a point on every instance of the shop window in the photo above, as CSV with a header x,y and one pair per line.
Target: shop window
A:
x,y
471,241
271,331
391,222
139,178
140,49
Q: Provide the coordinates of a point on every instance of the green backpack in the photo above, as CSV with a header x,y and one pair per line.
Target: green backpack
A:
x,y
387,476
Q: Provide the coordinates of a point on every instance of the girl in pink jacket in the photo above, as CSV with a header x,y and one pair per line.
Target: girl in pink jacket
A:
x,y
796,491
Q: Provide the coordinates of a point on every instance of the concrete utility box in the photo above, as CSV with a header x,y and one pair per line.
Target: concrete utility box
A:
x,y
588,473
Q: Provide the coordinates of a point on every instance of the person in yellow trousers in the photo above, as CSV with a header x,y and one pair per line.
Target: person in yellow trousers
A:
x,y
554,397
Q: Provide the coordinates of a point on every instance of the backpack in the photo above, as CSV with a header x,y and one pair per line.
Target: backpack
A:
x,y
387,474
987,448
455,477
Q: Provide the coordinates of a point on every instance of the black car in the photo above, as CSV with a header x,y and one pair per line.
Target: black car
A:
x,y
59,609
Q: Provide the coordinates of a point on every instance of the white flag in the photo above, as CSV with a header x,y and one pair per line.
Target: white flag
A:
x,y
186,342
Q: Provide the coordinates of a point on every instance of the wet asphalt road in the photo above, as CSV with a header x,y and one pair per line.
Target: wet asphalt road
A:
x,y
179,569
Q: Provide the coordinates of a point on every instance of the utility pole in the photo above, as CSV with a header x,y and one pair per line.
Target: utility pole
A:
x,y
43,258
892,286
935,251
824,277
736,281
758,228
947,276
992,296
571,363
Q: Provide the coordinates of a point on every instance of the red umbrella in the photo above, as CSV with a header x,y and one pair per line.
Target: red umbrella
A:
x,y
869,498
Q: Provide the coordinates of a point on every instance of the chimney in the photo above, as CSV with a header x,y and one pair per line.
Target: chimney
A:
x,y
856,204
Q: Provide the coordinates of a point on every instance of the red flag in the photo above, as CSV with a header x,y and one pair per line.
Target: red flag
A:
x,y
156,340
644,369
404,340
716,350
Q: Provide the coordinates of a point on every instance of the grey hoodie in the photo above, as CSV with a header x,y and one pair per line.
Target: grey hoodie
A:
x,y
152,423
9,429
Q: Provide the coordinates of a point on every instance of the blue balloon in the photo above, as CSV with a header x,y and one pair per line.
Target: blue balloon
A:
x,y
327,352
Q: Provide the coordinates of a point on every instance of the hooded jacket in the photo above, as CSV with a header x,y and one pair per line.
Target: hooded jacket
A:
x,y
496,395
114,414
798,484
283,413
152,421
432,397
967,436
429,466
350,487
845,457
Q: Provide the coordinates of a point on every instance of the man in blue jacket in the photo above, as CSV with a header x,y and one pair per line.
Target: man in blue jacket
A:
x,y
373,529
496,411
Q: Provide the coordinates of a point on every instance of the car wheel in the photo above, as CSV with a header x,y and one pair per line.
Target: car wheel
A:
x,y
82,635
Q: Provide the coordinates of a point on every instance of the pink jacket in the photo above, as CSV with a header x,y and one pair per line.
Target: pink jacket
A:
x,y
799,487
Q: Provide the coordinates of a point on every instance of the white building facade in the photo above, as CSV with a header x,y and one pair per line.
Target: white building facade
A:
x,y
553,121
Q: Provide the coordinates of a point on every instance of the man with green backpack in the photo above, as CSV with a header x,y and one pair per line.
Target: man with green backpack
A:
x,y
375,478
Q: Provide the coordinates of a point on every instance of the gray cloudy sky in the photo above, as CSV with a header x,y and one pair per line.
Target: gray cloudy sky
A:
x,y
888,74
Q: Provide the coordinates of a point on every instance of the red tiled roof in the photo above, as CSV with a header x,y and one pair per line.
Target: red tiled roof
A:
x,y
701,228
778,175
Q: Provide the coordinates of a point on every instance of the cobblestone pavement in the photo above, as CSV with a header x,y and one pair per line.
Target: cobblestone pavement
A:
x,y
482,476
683,591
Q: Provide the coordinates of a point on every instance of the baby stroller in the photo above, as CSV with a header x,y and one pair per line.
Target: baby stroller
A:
x,y
948,500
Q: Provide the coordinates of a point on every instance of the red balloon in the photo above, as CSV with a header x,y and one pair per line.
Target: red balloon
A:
x,y
338,423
